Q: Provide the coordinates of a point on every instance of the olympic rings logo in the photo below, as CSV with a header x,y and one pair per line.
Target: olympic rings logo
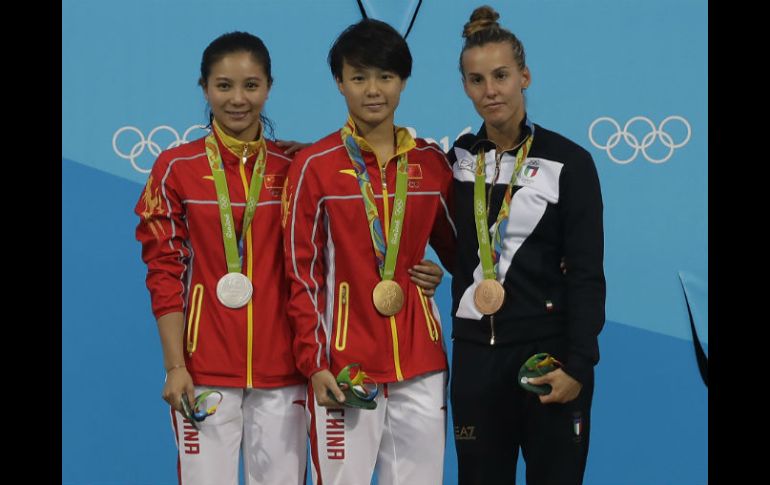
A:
x,y
656,133
152,146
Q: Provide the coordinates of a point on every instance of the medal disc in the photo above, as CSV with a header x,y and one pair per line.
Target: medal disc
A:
x,y
234,290
388,297
489,296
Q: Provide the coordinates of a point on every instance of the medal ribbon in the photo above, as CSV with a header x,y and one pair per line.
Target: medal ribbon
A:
x,y
385,254
489,252
193,411
234,261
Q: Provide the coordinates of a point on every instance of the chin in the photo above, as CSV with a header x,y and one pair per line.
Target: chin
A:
x,y
241,127
501,121
372,119
493,121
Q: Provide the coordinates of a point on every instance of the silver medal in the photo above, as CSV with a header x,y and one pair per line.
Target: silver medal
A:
x,y
234,290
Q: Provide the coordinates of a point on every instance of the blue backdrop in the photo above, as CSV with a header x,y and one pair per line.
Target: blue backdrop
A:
x,y
626,79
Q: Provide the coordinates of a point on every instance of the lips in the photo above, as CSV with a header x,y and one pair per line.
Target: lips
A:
x,y
237,114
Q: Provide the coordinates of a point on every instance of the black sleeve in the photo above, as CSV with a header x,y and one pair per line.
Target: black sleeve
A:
x,y
581,208
451,157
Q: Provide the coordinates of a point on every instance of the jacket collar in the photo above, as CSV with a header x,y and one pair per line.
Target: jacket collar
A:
x,y
404,139
234,147
482,142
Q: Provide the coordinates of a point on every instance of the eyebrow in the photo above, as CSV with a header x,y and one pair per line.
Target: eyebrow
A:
x,y
225,78
499,68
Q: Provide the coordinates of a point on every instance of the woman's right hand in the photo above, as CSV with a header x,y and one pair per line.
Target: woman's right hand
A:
x,y
178,382
322,382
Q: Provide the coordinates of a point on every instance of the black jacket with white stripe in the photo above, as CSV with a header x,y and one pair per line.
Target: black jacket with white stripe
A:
x,y
555,214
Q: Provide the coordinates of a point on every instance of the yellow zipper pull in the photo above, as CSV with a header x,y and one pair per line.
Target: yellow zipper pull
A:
x,y
245,152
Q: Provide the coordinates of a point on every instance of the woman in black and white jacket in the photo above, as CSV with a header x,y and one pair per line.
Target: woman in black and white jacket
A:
x,y
538,193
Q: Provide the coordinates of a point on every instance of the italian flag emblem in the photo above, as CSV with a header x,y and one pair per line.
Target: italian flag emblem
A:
x,y
577,425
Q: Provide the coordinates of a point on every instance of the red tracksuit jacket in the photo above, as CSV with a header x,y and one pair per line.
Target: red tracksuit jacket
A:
x,y
332,269
183,247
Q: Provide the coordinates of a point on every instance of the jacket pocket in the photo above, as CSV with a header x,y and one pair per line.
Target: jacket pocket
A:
x,y
194,317
343,310
429,320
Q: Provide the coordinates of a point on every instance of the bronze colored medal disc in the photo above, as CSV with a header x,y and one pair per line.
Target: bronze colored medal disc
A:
x,y
489,296
388,297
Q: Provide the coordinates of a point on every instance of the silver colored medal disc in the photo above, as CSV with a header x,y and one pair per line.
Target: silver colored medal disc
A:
x,y
234,290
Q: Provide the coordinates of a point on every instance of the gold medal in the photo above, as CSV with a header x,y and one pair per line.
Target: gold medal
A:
x,y
388,297
489,296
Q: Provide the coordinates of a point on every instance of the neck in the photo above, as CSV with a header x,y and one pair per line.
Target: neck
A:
x,y
505,136
247,136
380,137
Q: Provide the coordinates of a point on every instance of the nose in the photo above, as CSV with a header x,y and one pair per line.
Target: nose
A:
x,y
489,88
238,97
372,88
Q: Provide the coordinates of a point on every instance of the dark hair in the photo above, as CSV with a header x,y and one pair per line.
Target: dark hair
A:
x,y
230,43
482,28
371,43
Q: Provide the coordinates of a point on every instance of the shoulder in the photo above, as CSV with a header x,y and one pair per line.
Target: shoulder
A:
x,y
462,156
555,146
328,147
429,152
577,165
182,155
187,151
463,148
277,160
465,142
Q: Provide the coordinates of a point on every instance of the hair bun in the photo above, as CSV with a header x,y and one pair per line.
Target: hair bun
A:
x,y
484,17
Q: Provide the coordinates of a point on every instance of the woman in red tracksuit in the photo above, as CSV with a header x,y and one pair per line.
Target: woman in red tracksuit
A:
x,y
238,348
362,204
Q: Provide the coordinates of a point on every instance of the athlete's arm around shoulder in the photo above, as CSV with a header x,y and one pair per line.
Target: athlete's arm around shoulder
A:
x,y
443,234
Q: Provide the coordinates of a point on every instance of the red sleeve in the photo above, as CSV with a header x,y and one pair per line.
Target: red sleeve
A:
x,y
304,235
443,235
162,232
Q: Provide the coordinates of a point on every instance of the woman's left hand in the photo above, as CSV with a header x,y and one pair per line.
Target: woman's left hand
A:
x,y
291,146
563,387
427,275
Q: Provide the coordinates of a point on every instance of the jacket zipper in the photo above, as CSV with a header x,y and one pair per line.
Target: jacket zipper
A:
x,y
498,159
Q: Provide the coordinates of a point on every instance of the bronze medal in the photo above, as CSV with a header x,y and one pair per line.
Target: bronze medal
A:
x,y
388,297
489,296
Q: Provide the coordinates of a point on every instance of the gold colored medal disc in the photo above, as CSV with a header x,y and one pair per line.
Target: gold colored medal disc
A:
x,y
388,297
